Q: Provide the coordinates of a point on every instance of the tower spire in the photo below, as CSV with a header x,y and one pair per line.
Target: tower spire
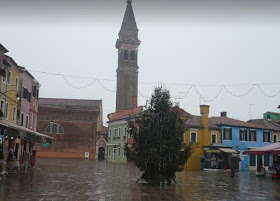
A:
x,y
129,30
127,72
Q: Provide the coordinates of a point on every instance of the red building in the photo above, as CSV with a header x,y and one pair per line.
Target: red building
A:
x,y
76,126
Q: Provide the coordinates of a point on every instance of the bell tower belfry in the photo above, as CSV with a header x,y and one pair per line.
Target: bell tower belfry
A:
x,y
127,72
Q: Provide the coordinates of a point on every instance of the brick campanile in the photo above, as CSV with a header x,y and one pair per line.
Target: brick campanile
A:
x,y
127,72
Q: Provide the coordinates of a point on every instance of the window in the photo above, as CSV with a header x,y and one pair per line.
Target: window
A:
x,y
109,152
132,55
27,121
119,151
37,94
25,93
48,129
29,96
60,129
4,77
115,132
34,93
14,114
7,111
125,131
193,137
243,135
9,75
54,128
119,133
213,138
35,121
252,160
266,160
227,133
268,116
2,107
16,84
274,138
253,136
21,119
110,133
125,55
31,120
266,136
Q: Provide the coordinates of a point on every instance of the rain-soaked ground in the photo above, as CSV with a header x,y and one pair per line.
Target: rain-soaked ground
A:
x,y
69,179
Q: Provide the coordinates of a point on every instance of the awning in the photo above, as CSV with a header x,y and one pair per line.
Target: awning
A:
x,y
213,151
24,133
228,150
269,149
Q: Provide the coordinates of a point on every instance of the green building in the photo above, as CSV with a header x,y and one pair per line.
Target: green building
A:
x,y
273,116
118,134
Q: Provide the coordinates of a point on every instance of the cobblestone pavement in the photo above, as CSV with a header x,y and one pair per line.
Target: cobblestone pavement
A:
x,y
67,179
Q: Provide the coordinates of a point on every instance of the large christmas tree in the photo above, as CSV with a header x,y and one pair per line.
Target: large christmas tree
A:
x,y
158,149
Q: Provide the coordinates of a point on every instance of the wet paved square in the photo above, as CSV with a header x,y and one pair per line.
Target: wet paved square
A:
x,y
71,179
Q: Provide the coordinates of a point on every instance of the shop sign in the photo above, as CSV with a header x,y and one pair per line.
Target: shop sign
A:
x,y
45,145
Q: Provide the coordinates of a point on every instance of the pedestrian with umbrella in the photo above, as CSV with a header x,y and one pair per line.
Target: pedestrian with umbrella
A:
x,y
202,162
233,162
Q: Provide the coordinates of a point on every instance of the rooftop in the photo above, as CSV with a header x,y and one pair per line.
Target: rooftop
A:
x,y
234,122
70,103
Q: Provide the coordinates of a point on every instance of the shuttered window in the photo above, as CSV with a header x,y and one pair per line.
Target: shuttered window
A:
x,y
243,135
266,136
253,136
227,133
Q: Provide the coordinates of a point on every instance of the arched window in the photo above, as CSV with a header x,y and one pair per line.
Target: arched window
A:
x,y
48,129
60,130
54,128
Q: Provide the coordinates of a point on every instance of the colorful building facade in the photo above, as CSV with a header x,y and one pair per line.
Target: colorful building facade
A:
x,y
200,132
118,134
242,136
273,116
14,138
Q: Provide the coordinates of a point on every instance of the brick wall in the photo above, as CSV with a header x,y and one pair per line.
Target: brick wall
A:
x,y
79,137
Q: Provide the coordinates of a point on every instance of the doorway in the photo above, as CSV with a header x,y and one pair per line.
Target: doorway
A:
x,y
101,153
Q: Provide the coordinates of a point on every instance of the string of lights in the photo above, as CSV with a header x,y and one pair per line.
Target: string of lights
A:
x,y
76,86
191,86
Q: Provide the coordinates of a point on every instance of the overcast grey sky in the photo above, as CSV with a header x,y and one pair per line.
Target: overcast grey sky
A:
x,y
184,43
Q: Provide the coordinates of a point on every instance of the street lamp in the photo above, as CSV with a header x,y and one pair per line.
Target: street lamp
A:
x,y
17,94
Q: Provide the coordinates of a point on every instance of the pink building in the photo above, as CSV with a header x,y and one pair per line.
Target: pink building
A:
x,y
28,104
3,50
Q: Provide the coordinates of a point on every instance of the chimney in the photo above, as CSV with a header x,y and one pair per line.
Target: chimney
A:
x,y
223,114
134,102
204,111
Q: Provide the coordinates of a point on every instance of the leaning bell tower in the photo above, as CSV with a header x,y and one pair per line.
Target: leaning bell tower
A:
x,y
127,71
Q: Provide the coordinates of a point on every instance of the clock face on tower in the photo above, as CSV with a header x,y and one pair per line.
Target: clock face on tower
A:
x,y
127,72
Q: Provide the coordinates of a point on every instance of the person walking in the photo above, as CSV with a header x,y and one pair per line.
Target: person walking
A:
x,y
202,163
233,162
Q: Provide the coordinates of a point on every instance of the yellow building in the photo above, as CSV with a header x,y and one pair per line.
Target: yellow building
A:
x,y
200,132
9,90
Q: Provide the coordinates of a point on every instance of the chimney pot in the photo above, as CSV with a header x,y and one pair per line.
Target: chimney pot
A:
x,y
223,114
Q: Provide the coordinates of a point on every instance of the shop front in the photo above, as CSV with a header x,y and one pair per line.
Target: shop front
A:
x,y
17,145
266,158
217,156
